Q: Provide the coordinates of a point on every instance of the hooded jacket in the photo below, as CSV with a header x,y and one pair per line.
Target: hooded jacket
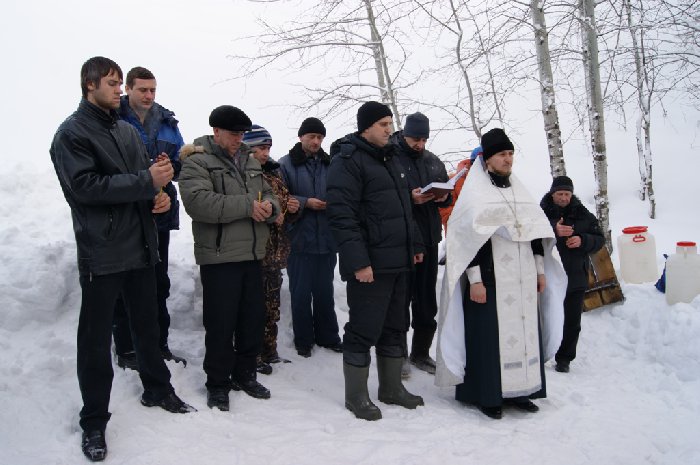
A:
x,y
369,208
306,178
219,197
575,261
159,133
421,169
102,167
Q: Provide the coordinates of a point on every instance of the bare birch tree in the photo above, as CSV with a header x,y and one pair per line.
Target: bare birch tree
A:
x,y
353,33
596,114
549,106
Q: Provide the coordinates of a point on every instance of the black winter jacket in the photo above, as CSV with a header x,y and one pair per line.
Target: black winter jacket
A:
x,y
102,166
421,169
575,261
369,208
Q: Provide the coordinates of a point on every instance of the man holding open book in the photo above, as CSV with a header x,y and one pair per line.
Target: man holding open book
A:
x,y
422,167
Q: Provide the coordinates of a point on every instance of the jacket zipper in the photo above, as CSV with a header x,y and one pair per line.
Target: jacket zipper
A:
x,y
220,227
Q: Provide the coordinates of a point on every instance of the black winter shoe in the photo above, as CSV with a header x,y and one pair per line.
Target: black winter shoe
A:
x,y
356,396
424,363
391,389
218,398
252,388
304,351
172,403
337,347
522,403
562,367
94,445
127,360
275,358
264,368
168,355
492,412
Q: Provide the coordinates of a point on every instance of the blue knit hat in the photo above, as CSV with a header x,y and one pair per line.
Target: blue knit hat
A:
x,y
475,153
257,135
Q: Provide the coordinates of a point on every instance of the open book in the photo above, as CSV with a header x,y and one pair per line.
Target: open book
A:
x,y
438,189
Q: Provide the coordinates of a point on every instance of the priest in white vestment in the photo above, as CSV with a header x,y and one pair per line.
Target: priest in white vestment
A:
x,y
501,308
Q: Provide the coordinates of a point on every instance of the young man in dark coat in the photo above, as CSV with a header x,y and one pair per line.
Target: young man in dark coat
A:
x,y
113,192
158,129
578,234
422,167
312,260
369,211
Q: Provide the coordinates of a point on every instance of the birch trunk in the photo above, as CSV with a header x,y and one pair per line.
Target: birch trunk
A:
x,y
388,95
596,118
646,190
465,75
549,105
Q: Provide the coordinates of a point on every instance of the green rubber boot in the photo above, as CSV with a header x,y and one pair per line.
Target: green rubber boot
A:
x,y
391,389
356,396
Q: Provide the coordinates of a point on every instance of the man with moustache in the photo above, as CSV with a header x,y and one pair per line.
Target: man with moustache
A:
x,y
369,209
498,252
312,258
113,192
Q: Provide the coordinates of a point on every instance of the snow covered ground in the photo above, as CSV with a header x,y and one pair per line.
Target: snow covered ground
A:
x,y
631,397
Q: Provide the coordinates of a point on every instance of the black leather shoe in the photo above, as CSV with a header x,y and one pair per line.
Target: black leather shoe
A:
x,y
127,360
492,412
172,403
337,347
523,403
264,368
275,358
562,367
168,355
218,398
252,388
304,351
423,362
94,445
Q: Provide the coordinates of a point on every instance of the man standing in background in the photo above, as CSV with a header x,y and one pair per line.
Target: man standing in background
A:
x,y
422,167
158,129
312,259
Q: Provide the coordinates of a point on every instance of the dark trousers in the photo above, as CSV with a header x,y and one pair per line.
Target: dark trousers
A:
x,y
423,301
99,296
573,306
377,318
234,321
123,343
313,308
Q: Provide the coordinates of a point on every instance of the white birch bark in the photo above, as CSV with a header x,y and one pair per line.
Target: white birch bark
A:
x,y
646,190
596,118
549,106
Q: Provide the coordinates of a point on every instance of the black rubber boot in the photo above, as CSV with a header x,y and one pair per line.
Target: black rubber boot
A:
x,y
356,396
391,389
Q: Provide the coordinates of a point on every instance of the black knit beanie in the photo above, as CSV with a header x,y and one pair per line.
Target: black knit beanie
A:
x,y
417,126
495,141
229,118
369,113
311,126
562,183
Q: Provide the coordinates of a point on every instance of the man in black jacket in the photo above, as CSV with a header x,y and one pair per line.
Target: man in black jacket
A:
x,y
578,234
369,211
422,167
112,191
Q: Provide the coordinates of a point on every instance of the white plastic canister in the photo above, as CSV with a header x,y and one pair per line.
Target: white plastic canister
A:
x,y
683,273
637,251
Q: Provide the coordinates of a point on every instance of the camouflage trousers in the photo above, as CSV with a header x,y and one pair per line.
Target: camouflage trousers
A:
x,y
272,283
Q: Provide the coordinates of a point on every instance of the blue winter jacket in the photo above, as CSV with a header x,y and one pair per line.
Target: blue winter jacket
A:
x,y
159,133
305,178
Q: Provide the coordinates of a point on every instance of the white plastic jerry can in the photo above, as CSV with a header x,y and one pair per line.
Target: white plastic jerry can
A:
x,y
683,273
637,251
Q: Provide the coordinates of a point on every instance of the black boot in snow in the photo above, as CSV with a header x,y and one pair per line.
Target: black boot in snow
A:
x,y
168,355
391,389
94,445
127,360
250,386
356,396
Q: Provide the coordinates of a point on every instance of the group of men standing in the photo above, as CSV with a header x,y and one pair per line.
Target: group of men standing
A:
x,y
116,158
